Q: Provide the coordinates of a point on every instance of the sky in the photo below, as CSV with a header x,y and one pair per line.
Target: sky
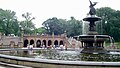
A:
x,y
45,9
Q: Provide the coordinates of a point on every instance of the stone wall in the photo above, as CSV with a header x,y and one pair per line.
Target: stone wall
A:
x,y
8,41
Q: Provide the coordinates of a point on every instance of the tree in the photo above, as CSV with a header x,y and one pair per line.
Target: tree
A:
x,y
41,30
8,22
53,25
74,27
64,25
110,22
27,24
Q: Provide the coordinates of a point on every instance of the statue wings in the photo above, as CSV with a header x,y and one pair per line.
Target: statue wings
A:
x,y
91,4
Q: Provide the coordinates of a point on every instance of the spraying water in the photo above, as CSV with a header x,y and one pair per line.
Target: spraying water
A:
x,y
83,31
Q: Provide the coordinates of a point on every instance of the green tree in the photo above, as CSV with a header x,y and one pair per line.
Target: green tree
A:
x,y
27,24
74,27
64,24
8,22
53,25
41,30
110,22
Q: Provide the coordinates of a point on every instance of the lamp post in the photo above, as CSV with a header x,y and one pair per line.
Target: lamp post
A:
x,y
20,30
21,36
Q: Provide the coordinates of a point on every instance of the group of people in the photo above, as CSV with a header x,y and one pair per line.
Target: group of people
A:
x,y
56,47
48,47
30,47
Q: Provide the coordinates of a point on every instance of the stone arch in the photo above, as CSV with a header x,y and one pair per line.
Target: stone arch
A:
x,y
56,43
38,43
12,43
44,42
61,42
49,42
25,43
31,42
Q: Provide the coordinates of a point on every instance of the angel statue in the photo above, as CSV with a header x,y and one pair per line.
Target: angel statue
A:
x,y
92,9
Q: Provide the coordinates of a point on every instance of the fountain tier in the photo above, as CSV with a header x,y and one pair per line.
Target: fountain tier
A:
x,y
92,42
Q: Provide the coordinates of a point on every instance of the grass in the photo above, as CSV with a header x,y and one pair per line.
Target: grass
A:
x,y
118,45
107,44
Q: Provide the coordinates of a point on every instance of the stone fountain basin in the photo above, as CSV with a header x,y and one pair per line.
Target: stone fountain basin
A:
x,y
92,19
93,37
50,63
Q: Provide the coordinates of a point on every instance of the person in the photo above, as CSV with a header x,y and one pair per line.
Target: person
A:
x,y
28,46
43,46
31,47
53,46
61,47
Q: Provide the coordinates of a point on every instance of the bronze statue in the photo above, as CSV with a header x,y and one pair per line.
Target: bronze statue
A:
x,y
92,9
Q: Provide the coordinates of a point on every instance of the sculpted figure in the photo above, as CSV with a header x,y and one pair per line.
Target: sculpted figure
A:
x,y
92,9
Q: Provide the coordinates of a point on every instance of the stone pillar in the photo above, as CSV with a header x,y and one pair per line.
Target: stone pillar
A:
x,y
35,38
21,38
82,44
52,38
65,42
0,36
0,39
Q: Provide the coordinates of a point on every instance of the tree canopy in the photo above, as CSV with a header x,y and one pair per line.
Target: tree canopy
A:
x,y
110,23
53,25
27,24
8,22
73,27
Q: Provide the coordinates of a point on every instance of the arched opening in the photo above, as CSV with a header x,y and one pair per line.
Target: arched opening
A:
x,y
25,43
61,42
38,43
31,42
12,43
49,42
56,43
44,43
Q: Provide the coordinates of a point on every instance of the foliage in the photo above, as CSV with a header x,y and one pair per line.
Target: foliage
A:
x,y
27,24
8,22
110,22
53,25
58,26
118,44
74,27
41,30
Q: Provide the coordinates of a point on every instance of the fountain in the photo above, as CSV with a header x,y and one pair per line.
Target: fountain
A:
x,y
92,42
93,54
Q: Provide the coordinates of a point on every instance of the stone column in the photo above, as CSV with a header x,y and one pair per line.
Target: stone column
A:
x,y
52,38
35,38
21,38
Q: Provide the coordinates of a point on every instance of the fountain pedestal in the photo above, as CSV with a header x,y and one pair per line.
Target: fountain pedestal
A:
x,y
93,42
92,25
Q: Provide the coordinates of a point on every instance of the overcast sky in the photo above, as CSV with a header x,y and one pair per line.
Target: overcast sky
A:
x,y
45,9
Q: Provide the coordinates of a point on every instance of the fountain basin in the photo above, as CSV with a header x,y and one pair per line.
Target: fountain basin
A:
x,y
53,63
93,37
92,19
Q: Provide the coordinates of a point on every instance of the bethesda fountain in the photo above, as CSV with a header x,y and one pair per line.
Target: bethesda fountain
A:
x,y
93,42
93,54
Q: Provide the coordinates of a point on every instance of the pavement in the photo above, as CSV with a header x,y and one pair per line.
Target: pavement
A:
x,y
6,65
